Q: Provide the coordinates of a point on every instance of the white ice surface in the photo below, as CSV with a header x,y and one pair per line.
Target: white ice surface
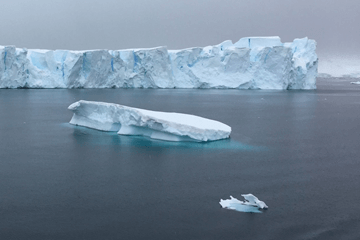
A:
x,y
251,204
158,125
254,201
250,63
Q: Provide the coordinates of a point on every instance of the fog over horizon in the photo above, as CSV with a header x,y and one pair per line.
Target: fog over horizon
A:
x,y
111,24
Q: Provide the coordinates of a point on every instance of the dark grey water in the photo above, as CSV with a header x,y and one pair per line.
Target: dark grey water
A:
x,y
296,150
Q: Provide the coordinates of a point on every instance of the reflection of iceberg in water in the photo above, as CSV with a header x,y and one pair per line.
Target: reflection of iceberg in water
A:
x,y
84,135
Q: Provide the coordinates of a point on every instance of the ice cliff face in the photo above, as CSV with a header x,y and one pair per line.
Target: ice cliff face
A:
x,y
250,63
158,125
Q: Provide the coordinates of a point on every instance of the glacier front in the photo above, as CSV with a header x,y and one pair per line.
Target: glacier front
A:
x,y
250,63
157,125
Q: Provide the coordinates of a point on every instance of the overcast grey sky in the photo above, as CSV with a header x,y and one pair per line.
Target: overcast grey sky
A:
x,y
118,24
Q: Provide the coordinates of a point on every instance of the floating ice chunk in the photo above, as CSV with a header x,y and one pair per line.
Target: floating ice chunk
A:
x,y
158,125
254,201
237,205
358,82
251,204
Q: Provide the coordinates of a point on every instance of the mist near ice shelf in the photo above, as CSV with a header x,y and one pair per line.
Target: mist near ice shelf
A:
x,y
114,24
336,65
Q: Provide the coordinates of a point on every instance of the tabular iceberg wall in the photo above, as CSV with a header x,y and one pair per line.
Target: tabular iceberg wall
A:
x,y
250,63
158,125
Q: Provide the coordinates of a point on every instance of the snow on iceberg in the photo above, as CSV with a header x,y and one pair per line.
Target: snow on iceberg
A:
x,y
158,125
250,63
251,204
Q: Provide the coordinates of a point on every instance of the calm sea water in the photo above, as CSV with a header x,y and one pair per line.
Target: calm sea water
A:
x,y
299,151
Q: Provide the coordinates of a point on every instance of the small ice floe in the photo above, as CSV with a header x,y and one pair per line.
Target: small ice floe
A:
x,y
251,204
358,82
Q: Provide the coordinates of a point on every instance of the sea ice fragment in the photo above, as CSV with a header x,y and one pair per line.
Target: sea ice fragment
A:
x,y
251,204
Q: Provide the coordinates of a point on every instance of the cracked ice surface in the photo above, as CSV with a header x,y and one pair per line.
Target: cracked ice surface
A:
x,y
158,125
250,63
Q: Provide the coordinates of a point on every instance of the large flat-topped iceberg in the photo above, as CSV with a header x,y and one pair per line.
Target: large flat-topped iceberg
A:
x,y
250,63
158,125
